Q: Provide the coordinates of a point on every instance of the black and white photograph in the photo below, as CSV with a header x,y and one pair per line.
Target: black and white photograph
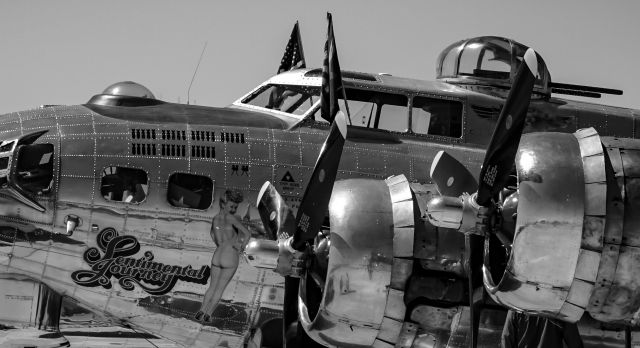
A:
x,y
366,173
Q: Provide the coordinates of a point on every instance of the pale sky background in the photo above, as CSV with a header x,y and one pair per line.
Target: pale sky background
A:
x,y
63,52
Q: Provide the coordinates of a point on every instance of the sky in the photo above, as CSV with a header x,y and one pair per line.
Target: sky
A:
x,y
63,52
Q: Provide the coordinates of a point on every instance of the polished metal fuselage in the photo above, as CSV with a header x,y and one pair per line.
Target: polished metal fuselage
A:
x,y
86,143
234,154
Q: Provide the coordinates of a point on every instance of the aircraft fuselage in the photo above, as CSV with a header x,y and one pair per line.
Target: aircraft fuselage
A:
x,y
143,184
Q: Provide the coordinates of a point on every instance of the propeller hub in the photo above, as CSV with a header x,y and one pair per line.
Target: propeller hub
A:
x,y
509,214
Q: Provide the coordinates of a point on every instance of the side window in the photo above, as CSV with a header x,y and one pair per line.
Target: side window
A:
x,y
437,117
122,184
35,168
190,191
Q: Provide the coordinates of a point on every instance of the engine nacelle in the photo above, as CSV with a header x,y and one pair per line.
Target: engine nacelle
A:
x,y
362,300
577,238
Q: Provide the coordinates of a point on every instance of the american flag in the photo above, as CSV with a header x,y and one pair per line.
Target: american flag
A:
x,y
331,77
293,57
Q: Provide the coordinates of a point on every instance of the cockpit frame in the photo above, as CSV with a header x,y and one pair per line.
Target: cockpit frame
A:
x,y
385,110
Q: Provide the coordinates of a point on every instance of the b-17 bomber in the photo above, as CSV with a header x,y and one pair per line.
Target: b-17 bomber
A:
x,y
327,207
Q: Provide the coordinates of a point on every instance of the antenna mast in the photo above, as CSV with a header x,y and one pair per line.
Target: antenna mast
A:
x,y
196,71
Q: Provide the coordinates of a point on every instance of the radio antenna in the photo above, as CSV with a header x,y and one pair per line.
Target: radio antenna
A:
x,y
196,71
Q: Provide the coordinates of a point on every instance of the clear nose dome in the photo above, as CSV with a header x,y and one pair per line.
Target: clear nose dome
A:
x,y
129,89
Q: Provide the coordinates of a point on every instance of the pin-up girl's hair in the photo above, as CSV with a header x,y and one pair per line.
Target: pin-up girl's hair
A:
x,y
235,196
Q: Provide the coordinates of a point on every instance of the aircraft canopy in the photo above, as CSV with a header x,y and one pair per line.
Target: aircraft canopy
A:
x,y
489,61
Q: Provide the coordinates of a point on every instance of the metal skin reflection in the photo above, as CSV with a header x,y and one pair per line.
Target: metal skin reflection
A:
x,y
550,216
359,269
576,217
36,245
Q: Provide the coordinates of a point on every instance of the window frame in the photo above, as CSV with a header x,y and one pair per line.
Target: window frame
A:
x,y
16,157
242,102
410,104
126,167
374,119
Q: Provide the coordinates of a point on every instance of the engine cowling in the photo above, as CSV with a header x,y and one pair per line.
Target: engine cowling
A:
x,y
576,244
361,303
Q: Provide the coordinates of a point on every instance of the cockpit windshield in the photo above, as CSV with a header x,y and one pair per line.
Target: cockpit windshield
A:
x,y
291,99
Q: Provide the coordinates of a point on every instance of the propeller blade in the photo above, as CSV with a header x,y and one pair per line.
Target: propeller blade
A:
x,y
279,223
315,200
474,252
317,194
451,177
290,308
276,216
503,147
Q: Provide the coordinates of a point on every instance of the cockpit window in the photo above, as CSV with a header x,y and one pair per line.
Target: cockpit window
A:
x,y
362,112
437,117
34,170
286,98
373,109
394,114
121,184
